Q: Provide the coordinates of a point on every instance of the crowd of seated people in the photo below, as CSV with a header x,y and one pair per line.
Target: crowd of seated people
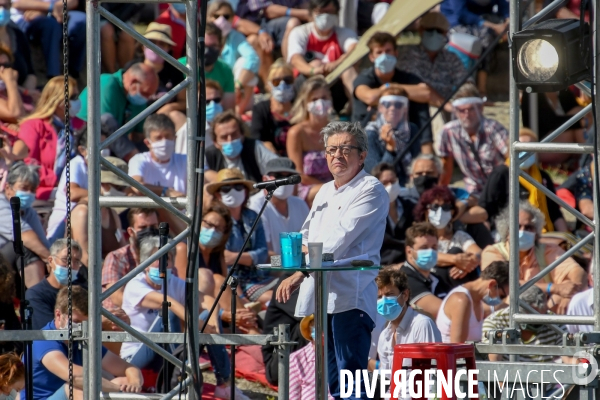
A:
x,y
446,247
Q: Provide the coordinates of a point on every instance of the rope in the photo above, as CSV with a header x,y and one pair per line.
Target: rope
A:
x,y
68,189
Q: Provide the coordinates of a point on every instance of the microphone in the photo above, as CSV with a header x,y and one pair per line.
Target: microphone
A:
x,y
274,184
15,205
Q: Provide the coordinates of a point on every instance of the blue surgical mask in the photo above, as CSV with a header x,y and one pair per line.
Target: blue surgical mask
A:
x,y
426,259
62,274
212,110
154,275
529,162
526,240
232,149
210,237
283,93
27,198
179,7
433,40
385,63
137,99
74,107
4,16
491,301
11,396
389,308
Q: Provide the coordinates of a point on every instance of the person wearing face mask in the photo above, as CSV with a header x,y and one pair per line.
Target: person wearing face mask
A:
x,y
236,52
232,149
11,102
458,254
427,291
439,68
478,144
305,148
318,47
285,212
564,281
271,118
22,181
390,133
494,196
124,94
42,135
404,325
42,296
463,310
384,74
12,376
233,190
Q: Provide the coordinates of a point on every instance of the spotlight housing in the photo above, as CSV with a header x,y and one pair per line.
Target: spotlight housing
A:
x,y
549,56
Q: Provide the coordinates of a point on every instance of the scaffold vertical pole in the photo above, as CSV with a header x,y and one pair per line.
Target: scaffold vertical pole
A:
x,y
596,179
93,350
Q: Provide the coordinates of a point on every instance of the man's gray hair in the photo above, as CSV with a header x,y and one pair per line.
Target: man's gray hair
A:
x,y
21,172
158,122
503,219
428,157
351,128
149,245
61,244
535,297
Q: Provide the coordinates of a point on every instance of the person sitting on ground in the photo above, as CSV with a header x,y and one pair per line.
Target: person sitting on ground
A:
x,y
495,194
232,149
51,365
12,376
285,212
236,52
458,254
11,101
160,169
404,325
478,144
43,137
427,291
371,82
8,284
111,229
439,68
234,191
391,132
271,118
304,144
124,95
143,300
562,282
78,185
400,216
22,182
318,47
531,334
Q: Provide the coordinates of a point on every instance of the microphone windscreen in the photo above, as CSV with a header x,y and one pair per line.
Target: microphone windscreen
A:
x,y
295,179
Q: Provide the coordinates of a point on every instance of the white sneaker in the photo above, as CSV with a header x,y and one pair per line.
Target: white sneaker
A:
x,y
224,392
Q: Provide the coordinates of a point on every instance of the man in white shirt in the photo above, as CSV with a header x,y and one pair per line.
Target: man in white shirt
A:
x,y
348,216
405,324
284,213
583,304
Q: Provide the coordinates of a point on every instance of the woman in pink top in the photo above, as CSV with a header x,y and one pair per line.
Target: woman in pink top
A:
x,y
43,135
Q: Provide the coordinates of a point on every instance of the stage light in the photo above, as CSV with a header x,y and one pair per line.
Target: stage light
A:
x,y
549,56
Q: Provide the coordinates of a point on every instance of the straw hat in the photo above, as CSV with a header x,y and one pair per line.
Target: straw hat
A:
x,y
305,327
229,176
160,33
434,20
107,176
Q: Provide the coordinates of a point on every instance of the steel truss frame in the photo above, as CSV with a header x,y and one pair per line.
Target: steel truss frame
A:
x,y
91,336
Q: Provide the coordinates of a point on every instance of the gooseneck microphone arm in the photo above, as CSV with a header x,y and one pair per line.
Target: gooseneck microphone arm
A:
x,y
25,310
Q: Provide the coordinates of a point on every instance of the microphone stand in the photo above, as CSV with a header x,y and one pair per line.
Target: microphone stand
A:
x,y
163,230
24,310
233,282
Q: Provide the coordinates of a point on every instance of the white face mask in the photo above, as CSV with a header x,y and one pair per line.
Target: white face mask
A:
x,y
163,149
11,396
325,22
105,152
283,192
393,191
439,218
113,192
234,198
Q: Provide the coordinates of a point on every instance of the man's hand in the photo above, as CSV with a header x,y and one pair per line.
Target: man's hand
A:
x,y
466,262
456,273
30,15
57,12
8,74
289,286
174,193
230,257
565,289
563,306
328,68
266,42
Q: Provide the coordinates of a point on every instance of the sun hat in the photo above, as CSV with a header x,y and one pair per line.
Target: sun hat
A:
x,y
305,327
229,176
160,33
107,176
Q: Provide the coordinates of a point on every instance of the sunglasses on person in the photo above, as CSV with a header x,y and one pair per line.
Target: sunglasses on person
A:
x,y
282,175
216,100
226,16
287,79
227,188
396,104
435,207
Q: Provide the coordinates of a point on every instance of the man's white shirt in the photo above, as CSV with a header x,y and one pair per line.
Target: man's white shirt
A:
x,y
581,304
